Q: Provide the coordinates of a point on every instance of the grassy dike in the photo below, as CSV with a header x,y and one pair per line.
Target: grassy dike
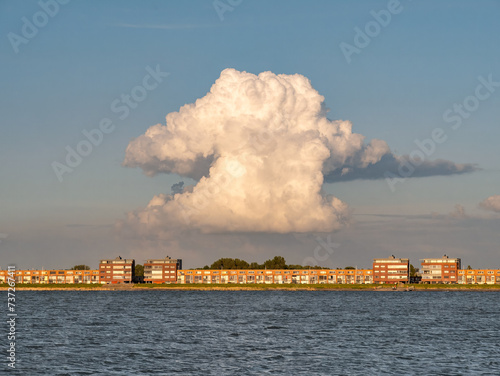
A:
x,y
246,287
53,286
254,286
456,287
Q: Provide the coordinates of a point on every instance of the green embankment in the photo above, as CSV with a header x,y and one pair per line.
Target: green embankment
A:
x,y
253,286
442,286
55,286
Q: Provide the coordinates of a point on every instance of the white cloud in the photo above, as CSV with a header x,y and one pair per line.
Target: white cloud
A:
x,y
259,147
492,203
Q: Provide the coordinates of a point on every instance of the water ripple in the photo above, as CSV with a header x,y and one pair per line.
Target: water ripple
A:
x,y
258,333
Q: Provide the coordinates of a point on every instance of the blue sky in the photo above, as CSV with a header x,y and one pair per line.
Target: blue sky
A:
x,y
64,80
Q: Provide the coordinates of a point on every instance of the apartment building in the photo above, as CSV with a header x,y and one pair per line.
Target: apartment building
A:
x,y
169,270
162,270
117,270
312,276
440,270
52,276
479,276
391,270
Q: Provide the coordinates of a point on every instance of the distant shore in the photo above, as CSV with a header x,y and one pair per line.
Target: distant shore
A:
x,y
247,287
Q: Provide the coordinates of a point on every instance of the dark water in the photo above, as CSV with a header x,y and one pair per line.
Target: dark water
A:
x,y
257,333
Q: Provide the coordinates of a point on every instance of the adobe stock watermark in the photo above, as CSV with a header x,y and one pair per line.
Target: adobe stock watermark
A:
x,y
372,29
31,26
454,116
223,6
323,251
11,316
121,106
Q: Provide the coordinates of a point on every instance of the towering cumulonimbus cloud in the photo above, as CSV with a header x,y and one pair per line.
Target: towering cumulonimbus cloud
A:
x,y
259,147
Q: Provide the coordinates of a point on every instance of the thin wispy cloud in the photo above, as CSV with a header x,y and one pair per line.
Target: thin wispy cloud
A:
x,y
404,216
80,225
459,213
165,26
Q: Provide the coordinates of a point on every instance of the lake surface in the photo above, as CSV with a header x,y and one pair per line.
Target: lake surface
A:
x,y
256,333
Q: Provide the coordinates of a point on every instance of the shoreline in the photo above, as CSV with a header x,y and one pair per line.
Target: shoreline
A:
x,y
260,287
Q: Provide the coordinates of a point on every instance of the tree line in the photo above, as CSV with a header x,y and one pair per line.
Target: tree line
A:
x,y
277,262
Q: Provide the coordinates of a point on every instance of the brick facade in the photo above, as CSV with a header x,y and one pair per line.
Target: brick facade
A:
x,y
161,270
440,270
301,276
117,270
391,270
